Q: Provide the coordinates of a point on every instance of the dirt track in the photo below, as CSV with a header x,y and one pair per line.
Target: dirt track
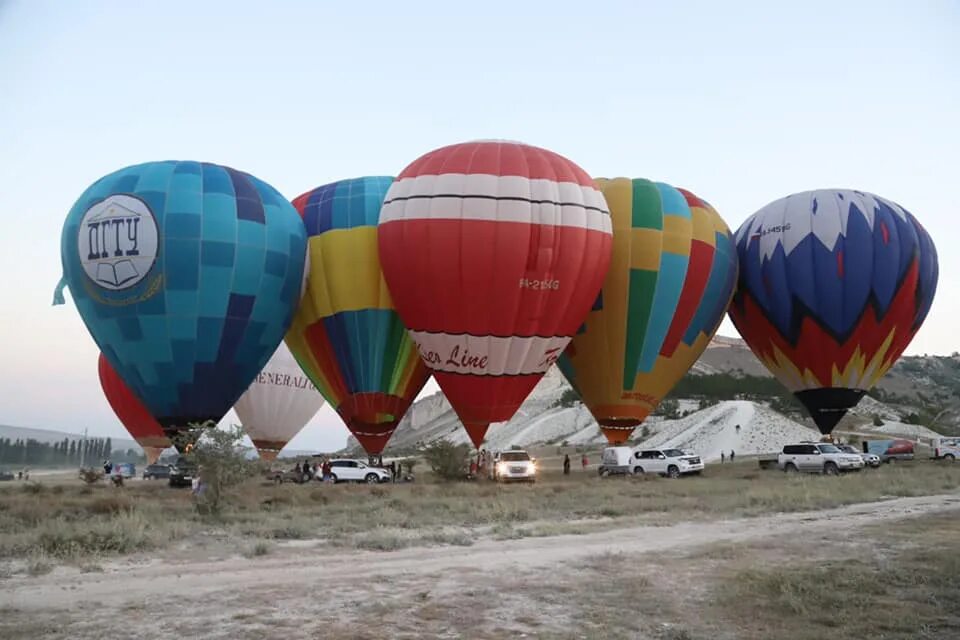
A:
x,y
238,584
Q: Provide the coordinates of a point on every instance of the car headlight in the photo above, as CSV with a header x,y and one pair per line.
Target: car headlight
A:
x,y
501,467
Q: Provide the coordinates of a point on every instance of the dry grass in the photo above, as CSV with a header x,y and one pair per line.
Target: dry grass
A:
x,y
72,522
903,583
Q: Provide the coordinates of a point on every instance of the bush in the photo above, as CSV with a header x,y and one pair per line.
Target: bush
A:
x,y
877,421
447,460
221,463
91,476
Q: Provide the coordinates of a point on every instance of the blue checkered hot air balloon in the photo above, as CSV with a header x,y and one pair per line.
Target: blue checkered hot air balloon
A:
x,y
187,275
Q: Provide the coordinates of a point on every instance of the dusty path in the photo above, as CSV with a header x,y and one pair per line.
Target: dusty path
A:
x,y
120,586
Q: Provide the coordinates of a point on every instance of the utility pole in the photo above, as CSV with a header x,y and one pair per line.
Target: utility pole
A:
x,y
83,447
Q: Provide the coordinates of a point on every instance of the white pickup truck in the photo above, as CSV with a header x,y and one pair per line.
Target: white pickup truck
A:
x,y
817,457
672,463
946,449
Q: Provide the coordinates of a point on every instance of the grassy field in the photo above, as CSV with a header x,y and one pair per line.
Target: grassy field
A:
x,y
65,521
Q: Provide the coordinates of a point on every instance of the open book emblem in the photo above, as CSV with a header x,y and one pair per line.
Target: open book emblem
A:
x,y
118,242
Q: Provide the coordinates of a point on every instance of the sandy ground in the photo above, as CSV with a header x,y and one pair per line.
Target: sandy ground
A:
x,y
316,587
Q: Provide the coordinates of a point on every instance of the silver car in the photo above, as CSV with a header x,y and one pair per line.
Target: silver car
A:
x,y
869,459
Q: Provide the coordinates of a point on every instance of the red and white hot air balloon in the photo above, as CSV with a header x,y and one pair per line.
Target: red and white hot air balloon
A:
x,y
494,253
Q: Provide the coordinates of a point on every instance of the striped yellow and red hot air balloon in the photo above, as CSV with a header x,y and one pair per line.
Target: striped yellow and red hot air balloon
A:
x,y
346,335
670,281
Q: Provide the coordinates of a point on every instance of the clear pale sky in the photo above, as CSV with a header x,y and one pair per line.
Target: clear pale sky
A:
x,y
741,102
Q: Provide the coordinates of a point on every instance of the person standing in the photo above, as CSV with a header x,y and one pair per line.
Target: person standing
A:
x,y
584,462
732,454
723,457
566,464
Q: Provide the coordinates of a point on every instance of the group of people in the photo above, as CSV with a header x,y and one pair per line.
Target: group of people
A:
x,y
112,472
723,456
584,463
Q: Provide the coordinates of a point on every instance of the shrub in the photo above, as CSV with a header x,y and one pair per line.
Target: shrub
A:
x,y
447,460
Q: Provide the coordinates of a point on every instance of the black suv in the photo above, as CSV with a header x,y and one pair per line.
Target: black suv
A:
x,y
156,471
182,473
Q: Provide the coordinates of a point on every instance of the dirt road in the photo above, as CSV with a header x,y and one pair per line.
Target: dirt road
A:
x,y
303,574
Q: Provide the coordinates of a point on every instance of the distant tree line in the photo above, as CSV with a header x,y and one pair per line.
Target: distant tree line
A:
x,y
65,453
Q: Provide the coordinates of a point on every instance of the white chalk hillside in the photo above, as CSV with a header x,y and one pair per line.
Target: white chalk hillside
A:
x,y
714,429
540,421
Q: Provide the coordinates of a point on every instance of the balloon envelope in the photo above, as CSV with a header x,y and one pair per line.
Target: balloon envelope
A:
x,y
132,414
187,275
670,280
833,286
346,333
278,404
493,253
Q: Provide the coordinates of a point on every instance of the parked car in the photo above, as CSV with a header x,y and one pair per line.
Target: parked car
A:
x,y
344,470
672,463
288,475
182,473
890,450
946,449
513,465
817,457
6,475
125,469
156,472
869,459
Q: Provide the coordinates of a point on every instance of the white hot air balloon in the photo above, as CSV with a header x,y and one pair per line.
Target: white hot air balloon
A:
x,y
278,404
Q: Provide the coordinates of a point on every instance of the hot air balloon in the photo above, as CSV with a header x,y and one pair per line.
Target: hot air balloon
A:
x,y
833,286
346,335
670,280
494,253
131,412
279,403
187,275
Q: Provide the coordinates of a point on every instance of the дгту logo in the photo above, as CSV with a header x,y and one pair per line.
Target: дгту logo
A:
x,y
117,242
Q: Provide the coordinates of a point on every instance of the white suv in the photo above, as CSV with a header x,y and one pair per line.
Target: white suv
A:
x,y
817,457
672,463
514,465
356,471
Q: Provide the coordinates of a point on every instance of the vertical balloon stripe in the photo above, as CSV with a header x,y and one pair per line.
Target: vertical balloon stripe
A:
x,y
346,333
690,256
677,231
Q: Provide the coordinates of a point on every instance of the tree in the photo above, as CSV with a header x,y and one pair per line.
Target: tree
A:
x,y
221,463
447,460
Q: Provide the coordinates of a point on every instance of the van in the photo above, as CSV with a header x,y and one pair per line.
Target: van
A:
x,y
946,449
615,460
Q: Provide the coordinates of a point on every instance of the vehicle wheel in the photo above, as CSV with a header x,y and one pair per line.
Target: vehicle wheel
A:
x,y
333,477
673,472
604,473
949,457
278,480
830,469
637,470
790,468
889,460
371,478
